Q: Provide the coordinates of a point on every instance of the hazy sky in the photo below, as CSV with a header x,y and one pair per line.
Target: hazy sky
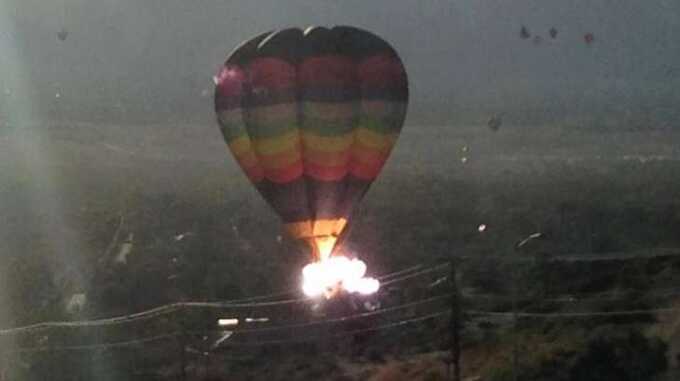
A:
x,y
158,56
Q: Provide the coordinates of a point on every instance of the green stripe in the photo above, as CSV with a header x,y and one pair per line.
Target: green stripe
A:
x,y
231,131
328,128
384,125
264,130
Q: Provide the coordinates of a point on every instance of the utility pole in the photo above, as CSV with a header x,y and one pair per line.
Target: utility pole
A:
x,y
182,350
3,365
455,324
515,275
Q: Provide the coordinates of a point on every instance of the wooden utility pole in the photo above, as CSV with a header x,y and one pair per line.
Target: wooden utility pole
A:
x,y
519,247
3,366
455,324
182,350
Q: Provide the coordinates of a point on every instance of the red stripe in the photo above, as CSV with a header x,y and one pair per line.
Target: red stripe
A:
x,y
325,173
285,175
271,73
331,70
365,171
254,173
230,81
229,88
381,71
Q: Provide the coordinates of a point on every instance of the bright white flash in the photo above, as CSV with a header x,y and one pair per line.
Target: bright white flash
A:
x,y
335,273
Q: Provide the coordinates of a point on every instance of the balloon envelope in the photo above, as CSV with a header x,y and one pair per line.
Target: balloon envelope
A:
x,y
311,117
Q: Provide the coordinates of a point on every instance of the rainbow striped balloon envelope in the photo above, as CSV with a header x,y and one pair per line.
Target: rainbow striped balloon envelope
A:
x,y
311,117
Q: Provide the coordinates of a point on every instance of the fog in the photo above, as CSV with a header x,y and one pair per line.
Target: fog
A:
x,y
108,133
154,59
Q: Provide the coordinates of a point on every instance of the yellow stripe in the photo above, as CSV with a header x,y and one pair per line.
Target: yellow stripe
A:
x,y
375,140
270,146
327,143
240,145
281,160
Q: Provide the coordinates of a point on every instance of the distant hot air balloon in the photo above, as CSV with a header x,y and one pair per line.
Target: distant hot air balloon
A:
x,y
553,33
311,117
588,38
62,34
524,33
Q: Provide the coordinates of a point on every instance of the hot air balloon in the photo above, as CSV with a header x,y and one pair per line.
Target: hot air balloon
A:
x,y
311,117
588,38
524,33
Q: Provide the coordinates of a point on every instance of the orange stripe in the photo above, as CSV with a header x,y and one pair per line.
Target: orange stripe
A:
x,y
246,159
366,155
325,173
327,158
285,175
280,160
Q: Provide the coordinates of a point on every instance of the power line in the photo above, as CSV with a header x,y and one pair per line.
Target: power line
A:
x,y
600,257
343,334
416,274
47,348
258,343
586,297
170,308
407,274
549,315
399,273
343,318
144,315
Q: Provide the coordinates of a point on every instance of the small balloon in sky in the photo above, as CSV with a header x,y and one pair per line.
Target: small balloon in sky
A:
x,y
495,122
588,38
524,33
62,34
553,33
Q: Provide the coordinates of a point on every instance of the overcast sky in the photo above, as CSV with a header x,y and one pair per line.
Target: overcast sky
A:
x,y
159,55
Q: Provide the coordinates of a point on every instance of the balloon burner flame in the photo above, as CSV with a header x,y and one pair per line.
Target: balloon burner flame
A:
x,y
335,274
